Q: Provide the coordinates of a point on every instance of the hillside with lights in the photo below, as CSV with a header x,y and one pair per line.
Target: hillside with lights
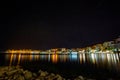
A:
x,y
106,47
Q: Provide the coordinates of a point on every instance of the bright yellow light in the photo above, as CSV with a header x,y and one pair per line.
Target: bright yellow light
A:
x,y
23,51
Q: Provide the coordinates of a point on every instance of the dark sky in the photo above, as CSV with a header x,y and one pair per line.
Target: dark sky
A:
x,y
44,25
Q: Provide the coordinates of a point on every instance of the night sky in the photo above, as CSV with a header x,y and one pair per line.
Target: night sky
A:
x,y
51,24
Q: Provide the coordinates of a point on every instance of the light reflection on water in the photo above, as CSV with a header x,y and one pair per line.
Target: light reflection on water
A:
x,y
98,59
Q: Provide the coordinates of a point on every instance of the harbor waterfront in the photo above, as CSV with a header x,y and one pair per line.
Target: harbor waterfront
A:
x,y
109,59
69,65
59,52
60,40
97,62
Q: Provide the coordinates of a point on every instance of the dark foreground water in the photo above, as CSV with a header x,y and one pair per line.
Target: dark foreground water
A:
x,y
99,66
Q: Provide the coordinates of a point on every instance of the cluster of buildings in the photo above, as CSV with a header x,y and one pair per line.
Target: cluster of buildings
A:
x,y
106,47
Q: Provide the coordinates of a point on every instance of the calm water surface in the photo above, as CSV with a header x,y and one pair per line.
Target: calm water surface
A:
x,y
91,65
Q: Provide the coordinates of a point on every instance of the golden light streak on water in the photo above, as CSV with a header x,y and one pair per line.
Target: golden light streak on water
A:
x,y
30,56
36,57
99,60
49,57
80,58
64,58
109,59
22,57
84,58
19,58
11,58
93,58
114,59
95,55
103,59
54,58
117,55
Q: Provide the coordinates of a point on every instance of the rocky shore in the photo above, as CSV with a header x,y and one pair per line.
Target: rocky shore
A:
x,y
18,73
